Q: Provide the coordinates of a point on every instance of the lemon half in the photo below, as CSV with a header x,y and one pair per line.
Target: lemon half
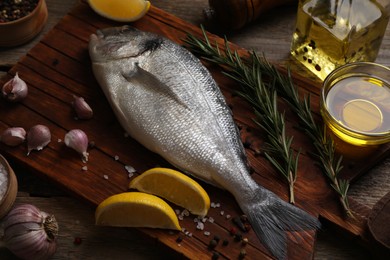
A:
x,y
175,187
120,10
136,209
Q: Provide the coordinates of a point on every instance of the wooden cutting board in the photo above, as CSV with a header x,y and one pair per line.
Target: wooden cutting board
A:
x,y
59,67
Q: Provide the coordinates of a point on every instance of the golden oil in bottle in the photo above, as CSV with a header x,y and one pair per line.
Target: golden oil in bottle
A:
x,y
355,103
330,33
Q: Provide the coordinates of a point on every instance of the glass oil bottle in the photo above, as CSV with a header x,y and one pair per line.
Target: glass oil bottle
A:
x,y
330,33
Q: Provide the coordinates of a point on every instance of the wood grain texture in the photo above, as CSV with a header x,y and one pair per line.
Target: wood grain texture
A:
x,y
270,35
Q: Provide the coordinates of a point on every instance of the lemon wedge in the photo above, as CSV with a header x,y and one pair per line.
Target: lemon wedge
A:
x,y
120,10
175,187
136,209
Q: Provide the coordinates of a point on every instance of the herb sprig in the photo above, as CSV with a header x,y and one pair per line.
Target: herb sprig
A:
x,y
262,95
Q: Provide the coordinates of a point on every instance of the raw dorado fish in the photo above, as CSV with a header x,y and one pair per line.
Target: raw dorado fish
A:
x,y
167,100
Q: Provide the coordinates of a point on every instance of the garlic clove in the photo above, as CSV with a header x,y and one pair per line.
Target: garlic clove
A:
x,y
38,137
78,141
82,109
13,136
15,89
30,233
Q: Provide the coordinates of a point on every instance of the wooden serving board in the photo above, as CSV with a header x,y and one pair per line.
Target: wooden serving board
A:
x,y
59,67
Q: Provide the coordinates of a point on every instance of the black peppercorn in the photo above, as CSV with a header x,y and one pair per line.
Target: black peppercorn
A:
x,y
213,243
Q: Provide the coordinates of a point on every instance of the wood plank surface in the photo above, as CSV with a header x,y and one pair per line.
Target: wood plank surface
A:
x,y
57,91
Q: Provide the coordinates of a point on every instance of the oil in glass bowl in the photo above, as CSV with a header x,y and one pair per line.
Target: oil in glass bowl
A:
x,y
330,33
355,103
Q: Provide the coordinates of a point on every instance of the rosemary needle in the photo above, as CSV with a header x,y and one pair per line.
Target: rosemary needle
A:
x,y
262,95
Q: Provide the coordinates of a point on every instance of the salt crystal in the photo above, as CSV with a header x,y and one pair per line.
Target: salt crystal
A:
x,y
204,220
217,205
130,175
206,233
3,181
189,234
130,169
116,157
185,213
212,205
180,217
196,220
84,168
59,140
200,226
105,176
211,220
227,216
222,212
177,211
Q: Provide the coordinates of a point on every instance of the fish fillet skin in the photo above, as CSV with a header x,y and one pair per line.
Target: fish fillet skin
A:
x,y
168,101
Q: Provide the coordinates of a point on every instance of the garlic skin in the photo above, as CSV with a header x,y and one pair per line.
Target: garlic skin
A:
x,y
38,137
82,109
13,136
78,141
30,233
15,89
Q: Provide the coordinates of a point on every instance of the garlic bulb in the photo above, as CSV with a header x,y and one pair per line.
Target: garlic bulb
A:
x,y
77,140
30,233
82,109
13,136
15,89
37,138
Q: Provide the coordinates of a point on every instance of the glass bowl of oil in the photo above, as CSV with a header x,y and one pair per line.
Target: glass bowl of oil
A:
x,y
355,103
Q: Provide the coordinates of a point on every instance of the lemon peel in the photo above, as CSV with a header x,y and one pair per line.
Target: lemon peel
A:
x,y
175,187
120,10
136,209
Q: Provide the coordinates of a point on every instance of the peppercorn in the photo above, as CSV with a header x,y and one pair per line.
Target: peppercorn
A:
x,y
225,242
237,237
232,231
213,243
217,238
179,239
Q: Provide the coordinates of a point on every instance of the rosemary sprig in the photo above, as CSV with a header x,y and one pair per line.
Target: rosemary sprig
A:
x,y
250,73
263,99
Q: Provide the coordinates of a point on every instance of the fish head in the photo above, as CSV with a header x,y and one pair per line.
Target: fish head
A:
x,y
121,43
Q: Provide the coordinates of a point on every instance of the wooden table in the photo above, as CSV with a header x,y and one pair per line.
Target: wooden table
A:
x,y
270,35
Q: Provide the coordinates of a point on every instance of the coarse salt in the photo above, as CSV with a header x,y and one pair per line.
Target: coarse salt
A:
x,y
206,233
130,169
116,157
105,176
200,226
3,181
84,168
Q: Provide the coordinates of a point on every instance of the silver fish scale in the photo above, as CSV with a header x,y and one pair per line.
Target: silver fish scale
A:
x,y
200,132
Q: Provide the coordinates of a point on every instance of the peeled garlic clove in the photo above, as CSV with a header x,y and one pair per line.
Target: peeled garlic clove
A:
x,y
15,89
82,109
37,138
78,141
13,136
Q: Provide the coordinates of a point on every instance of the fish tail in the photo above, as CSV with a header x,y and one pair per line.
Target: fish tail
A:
x,y
271,217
